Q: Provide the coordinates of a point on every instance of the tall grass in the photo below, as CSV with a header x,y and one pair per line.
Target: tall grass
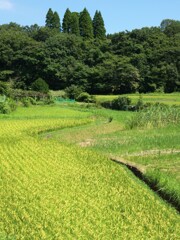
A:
x,y
157,115
166,186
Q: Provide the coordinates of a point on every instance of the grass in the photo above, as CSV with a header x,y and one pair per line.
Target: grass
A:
x,y
145,146
155,116
169,99
53,189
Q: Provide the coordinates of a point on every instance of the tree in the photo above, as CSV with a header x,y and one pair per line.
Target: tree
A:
x,y
165,23
173,29
85,25
53,20
56,21
49,18
74,25
66,25
98,26
40,85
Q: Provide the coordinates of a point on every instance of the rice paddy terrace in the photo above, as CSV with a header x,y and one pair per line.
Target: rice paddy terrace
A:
x,y
53,188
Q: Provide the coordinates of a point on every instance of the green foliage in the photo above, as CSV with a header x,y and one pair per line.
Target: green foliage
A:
x,y
85,97
73,91
3,88
121,103
157,115
40,86
8,106
74,25
66,25
53,20
98,26
26,102
142,60
56,21
85,24
49,18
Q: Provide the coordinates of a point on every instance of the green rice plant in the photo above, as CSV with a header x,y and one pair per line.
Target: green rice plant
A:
x,y
166,186
52,190
157,115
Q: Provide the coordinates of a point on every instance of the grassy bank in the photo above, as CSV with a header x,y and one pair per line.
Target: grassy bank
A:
x,y
169,99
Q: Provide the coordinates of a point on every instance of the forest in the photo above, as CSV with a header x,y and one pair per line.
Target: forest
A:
x,y
77,51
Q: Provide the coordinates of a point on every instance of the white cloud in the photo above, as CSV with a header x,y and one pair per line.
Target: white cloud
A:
x,y
6,4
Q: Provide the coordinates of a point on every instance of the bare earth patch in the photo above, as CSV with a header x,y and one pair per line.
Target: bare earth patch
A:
x,y
86,143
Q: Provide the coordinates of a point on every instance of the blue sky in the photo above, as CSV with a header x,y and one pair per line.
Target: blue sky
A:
x,y
119,15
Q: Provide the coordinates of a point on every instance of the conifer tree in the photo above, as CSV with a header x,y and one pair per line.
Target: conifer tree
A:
x,y
67,21
74,26
49,18
56,21
85,24
53,20
98,26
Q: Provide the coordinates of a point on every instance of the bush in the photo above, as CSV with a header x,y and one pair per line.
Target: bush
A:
x,y
73,91
40,86
121,103
32,101
12,104
8,106
107,104
86,97
3,88
26,102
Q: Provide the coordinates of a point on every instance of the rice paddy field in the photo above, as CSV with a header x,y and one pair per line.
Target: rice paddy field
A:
x,y
169,99
57,180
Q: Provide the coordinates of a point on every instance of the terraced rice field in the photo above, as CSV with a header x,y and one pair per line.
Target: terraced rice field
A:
x,y
55,190
165,98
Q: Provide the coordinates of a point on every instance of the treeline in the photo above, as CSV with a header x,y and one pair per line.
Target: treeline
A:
x,y
78,52
76,23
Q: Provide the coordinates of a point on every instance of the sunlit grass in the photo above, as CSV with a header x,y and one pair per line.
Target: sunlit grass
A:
x,y
54,190
169,99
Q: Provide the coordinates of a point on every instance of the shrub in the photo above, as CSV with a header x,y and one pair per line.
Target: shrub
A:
x,y
73,91
40,86
26,102
32,101
4,88
8,106
107,104
5,108
121,103
86,97
12,104
139,105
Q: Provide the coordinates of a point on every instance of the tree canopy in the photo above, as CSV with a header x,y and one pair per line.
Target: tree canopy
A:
x,y
142,60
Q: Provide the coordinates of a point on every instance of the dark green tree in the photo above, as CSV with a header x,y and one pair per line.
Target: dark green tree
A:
x,y
85,25
74,26
66,24
53,20
40,85
49,18
56,21
98,26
